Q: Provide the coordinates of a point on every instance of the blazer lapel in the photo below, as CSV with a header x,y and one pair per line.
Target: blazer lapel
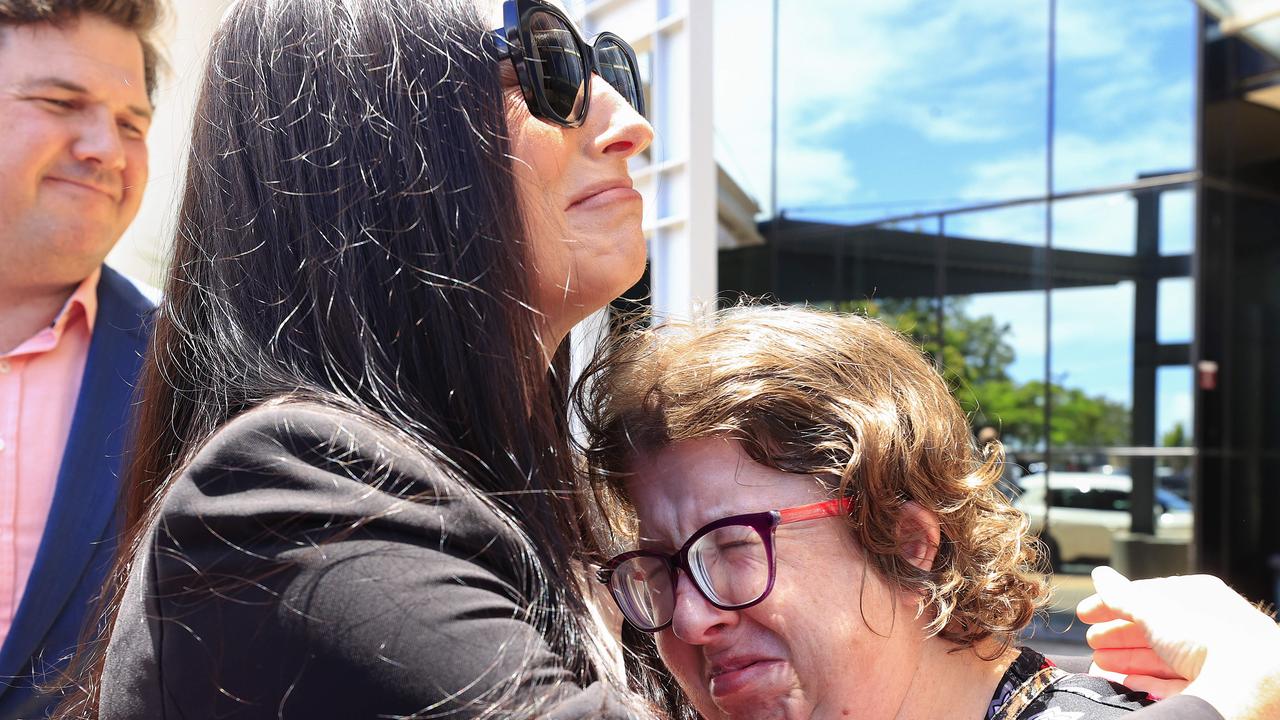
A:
x,y
85,499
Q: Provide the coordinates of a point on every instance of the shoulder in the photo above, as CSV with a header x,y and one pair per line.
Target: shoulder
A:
x,y
295,453
318,496
284,430
1035,688
116,287
343,572
1094,696
1088,697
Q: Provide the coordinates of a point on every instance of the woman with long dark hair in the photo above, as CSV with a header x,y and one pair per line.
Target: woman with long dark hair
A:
x,y
344,497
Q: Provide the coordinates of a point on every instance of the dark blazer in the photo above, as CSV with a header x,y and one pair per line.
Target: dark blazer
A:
x,y
79,538
290,575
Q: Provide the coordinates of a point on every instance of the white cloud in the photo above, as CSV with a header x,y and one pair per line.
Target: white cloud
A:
x,y
894,61
964,72
814,175
1099,224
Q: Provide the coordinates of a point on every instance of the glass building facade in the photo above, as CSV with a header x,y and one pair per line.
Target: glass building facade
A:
x,y
1072,206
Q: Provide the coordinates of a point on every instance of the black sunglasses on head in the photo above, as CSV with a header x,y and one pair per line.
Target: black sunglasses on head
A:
x,y
554,64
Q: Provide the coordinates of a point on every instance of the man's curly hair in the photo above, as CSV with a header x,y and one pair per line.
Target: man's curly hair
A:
x,y
834,396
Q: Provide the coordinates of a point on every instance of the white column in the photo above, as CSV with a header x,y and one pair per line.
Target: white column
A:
x,y
673,38
683,254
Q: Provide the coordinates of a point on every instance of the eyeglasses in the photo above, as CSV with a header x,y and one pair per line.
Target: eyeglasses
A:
x,y
730,562
555,65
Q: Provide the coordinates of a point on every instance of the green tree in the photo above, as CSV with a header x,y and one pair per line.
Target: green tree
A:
x,y
1176,437
974,355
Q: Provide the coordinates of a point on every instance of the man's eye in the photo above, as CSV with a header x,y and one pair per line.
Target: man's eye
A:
x,y
60,104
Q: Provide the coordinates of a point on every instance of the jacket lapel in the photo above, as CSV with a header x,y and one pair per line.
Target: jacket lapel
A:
x,y
85,499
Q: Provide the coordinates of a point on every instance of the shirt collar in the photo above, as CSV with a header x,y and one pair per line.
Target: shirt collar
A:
x,y
83,300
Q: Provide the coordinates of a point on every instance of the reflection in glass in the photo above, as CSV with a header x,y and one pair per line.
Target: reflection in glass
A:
x,y
1088,508
1020,224
1174,405
1091,344
1000,338
927,127
1098,224
892,108
1173,475
1124,105
1176,310
1177,221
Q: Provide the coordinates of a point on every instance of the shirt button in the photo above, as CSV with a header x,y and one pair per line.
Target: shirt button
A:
x,y
5,367
2,445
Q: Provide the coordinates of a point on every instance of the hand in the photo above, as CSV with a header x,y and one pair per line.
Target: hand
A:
x,y
1189,634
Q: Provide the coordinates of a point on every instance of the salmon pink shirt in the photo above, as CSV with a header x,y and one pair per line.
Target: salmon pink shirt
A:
x,y
39,383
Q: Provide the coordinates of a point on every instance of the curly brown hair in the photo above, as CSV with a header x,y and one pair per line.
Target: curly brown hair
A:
x,y
836,396
140,16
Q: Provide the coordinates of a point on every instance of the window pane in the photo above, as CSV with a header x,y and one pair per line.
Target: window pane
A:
x,y
1019,225
996,346
1092,365
1177,222
1125,100
1174,400
1100,224
1176,310
892,108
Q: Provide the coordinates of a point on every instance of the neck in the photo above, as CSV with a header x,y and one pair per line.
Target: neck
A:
x,y
27,311
957,683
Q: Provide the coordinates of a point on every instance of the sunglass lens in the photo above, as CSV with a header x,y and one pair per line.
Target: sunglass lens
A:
x,y
731,565
557,65
616,68
642,587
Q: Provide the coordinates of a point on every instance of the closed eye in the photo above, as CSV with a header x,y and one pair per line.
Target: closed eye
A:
x,y
58,103
132,129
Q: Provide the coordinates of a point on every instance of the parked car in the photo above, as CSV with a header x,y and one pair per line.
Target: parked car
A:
x,y
1177,482
1087,509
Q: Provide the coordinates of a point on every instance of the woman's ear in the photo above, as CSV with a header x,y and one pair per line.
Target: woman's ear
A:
x,y
919,535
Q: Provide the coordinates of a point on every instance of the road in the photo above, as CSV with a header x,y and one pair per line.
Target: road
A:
x,y
1059,632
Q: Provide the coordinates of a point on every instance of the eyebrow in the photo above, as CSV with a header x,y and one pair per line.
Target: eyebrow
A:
x,y
79,89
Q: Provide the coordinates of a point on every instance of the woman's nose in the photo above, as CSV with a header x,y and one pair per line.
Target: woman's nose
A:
x,y
695,620
621,132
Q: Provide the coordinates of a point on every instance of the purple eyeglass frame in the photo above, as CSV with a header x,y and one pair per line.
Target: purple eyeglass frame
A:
x,y
764,523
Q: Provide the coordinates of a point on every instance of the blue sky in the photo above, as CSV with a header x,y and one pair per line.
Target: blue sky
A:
x,y
894,106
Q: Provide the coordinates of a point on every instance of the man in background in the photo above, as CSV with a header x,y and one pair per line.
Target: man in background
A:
x,y
76,79
1012,472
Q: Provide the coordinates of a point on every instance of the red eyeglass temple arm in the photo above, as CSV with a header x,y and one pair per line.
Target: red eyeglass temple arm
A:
x,y
829,508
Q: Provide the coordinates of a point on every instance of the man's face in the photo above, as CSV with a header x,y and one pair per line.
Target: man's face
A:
x,y
74,116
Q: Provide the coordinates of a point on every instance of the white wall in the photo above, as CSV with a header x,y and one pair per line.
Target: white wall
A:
x,y
143,250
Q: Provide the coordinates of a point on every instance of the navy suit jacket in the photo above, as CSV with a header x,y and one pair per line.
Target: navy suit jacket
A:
x,y
80,536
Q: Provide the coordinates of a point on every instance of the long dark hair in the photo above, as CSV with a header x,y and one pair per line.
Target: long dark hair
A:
x,y
349,234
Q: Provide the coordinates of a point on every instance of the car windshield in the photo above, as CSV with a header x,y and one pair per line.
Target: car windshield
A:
x,y
1171,501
